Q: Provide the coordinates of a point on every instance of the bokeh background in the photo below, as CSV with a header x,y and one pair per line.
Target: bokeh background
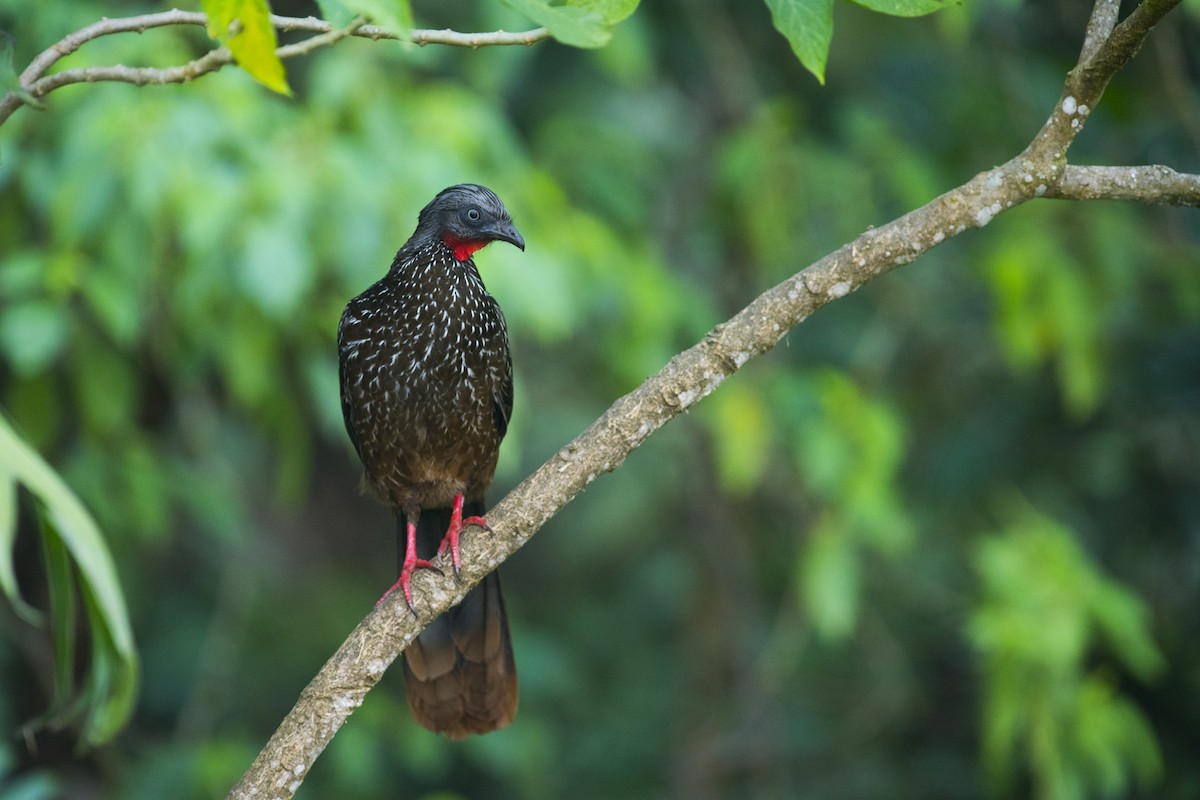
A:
x,y
943,542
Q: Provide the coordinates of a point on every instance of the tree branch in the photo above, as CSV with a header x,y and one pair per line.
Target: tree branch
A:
x,y
1103,59
1099,27
34,83
1039,171
1107,48
1155,185
209,62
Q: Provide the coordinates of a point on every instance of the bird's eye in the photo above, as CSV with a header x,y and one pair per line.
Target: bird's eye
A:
x,y
473,214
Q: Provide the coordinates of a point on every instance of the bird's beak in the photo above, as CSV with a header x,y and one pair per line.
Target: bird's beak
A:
x,y
505,232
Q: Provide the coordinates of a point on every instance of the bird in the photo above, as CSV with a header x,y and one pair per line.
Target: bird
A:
x,y
427,392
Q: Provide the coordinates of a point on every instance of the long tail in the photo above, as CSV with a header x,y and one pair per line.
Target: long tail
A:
x,y
459,674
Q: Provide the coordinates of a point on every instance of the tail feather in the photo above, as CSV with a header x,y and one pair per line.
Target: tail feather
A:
x,y
459,673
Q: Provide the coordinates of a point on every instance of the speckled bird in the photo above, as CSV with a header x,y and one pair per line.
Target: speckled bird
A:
x,y
427,390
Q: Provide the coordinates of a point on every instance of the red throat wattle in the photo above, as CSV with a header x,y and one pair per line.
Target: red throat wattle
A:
x,y
463,248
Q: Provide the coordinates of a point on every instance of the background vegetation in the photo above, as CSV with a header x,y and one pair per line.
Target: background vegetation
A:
x,y
942,543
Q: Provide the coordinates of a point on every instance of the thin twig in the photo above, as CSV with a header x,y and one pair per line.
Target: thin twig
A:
x,y
35,83
1099,27
138,76
1089,78
209,62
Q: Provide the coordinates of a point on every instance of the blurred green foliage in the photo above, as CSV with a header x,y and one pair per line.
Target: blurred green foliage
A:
x,y
941,542
1043,608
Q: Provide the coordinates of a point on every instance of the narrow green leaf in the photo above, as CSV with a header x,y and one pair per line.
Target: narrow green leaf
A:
x,y
392,15
60,580
10,81
8,70
252,39
78,530
1123,620
904,8
111,686
741,436
81,538
8,537
572,25
808,27
830,579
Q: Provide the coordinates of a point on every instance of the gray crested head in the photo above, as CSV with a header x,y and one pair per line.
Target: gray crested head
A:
x,y
465,218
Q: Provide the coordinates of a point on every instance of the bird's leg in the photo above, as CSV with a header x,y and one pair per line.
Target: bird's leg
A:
x,y
411,562
457,523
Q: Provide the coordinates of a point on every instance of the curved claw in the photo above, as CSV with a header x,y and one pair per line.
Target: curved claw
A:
x,y
477,521
457,523
411,563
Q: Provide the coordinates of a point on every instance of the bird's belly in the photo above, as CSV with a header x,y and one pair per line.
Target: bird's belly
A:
x,y
429,434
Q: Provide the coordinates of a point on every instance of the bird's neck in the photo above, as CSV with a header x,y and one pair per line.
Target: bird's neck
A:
x,y
463,249
432,265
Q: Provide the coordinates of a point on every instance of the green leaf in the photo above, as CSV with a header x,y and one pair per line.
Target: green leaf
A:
x,y
741,436
830,578
1046,614
10,81
32,334
60,580
393,15
110,689
611,11
849,447
1122,619
252,40
1050,314
8,535
1113,739
904,8
808,27
573,25
336,12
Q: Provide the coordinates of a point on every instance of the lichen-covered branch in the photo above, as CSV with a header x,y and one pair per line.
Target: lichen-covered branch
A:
x,y
1039,171
1107,48
1099,27
1104,57
1154,185
34,82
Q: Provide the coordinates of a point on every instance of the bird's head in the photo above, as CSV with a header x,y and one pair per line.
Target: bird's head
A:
x,y
466,218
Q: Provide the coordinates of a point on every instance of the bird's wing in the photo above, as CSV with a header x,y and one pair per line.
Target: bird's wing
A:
x,y
347,406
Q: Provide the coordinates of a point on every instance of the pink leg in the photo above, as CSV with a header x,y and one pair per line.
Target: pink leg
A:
x,y
411,562
457,523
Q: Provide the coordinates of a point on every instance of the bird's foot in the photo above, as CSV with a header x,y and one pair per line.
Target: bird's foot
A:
x,y
457,523
405,581
411,562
